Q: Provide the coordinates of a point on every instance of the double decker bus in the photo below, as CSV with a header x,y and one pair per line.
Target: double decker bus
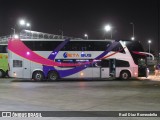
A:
x,y
53,59
3,60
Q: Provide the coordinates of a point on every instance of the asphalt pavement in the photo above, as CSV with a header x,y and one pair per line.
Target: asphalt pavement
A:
x,y
80,95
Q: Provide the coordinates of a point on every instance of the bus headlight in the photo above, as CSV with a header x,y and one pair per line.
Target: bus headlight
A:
x,y
14,73
135,73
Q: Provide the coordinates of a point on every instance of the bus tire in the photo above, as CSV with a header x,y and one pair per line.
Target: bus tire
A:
x,y
125,75
53,75
38,76
2,74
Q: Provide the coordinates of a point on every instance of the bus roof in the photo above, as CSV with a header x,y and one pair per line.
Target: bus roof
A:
x,y
62,40
111,40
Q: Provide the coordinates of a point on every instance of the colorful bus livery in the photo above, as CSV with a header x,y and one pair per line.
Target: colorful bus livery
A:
x,y
3,60
52,59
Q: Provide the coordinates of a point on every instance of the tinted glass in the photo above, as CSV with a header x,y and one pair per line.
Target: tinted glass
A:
x,y
121,63
134,46
137,47
141,62
96,64
105,63
3,48
75,61
118,48
86,46
42,45
70,46
17,63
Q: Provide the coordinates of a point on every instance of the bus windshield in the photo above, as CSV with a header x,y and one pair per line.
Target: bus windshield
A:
x,y
135,46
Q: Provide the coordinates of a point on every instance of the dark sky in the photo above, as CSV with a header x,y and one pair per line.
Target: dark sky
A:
x,y
76,17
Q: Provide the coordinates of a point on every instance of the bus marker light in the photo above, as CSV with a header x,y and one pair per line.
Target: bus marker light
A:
x,y
82,74
59,60
135,73
28,53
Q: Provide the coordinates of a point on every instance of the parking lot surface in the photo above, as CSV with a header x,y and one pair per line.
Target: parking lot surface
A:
x,y
79,95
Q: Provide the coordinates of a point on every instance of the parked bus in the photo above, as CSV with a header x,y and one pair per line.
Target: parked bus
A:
x,y
3,60
54,59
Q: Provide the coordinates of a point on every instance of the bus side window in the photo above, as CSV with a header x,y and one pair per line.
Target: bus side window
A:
x,y
17,63
83,48
118,48
122,63
105,63
97,64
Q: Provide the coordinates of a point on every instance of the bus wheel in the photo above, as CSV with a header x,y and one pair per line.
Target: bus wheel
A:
x,y
125,75
53,75
38,76
2,73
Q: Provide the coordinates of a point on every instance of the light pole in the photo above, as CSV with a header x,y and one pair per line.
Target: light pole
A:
x,y
108,28
29,25
149,42
14,34
132,38
14,31
25,24
86,35
61,33
22,22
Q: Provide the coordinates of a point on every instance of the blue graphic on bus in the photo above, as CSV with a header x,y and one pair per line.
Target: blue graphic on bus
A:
x,y
86,55
65,55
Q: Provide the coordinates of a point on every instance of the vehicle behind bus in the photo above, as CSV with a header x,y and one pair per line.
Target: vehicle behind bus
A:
x,y
3,60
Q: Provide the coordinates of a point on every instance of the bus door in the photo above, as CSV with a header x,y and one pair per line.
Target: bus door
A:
x,y
105,68
112,67
142,68
96,69
26,69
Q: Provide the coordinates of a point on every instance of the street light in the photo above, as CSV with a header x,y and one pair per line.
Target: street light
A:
x,y
149,42
132,38
22,22
25,24
108,28
86,35
28,24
